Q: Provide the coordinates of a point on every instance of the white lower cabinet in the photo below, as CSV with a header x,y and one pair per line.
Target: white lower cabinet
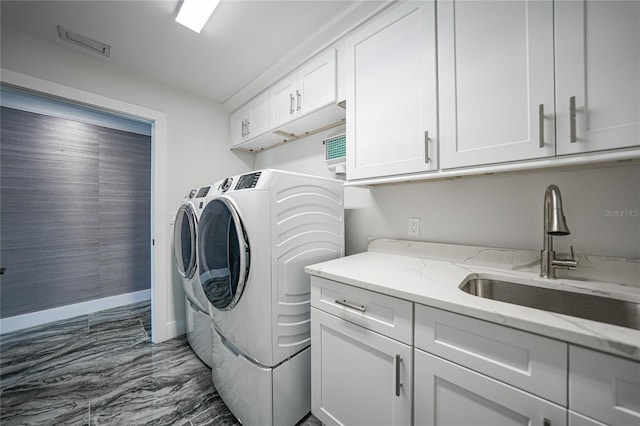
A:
x,y
576,419
604,388
449,394
380,360
532,363
361,356
359,377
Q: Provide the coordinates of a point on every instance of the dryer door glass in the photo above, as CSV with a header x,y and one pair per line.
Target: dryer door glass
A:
x,y
184,240
223,253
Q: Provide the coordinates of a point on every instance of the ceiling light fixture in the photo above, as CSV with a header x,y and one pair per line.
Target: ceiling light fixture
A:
x,y
194,14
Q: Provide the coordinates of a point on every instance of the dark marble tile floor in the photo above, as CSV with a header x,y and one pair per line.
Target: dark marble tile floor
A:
x,y
103,369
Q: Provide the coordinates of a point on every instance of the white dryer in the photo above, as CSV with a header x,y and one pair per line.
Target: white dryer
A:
x,y
255,237
198,321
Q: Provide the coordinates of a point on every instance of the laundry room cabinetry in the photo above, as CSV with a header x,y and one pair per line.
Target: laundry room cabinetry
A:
x,y
251,120
460,370
518,85
391,93
303,102
498,374
608,394
597,75
309,88
496,83
449,394
361,356
496,79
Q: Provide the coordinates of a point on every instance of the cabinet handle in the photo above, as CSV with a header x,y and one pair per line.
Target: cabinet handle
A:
x,y
398,384
299,100
572,120
546,422
426,147
244,124
350,305
541,124
291,105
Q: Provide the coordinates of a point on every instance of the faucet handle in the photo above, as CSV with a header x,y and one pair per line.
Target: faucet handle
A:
x,y
572,263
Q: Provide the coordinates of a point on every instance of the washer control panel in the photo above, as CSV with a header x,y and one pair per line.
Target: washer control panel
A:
x,y
248,181
203,192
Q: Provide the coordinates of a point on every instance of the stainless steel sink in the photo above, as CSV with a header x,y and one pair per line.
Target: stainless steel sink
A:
x,y
596,308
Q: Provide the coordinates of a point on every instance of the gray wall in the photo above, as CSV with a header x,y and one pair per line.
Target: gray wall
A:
x,y
75,212
197,131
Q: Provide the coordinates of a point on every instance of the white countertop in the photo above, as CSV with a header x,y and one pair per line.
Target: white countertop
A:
x,y
431,274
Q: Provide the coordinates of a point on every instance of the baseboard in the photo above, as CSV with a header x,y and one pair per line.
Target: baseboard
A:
x,y
177,327
19,322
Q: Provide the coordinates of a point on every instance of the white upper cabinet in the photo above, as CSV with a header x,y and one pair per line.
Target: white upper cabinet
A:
x,y
310,88
391,93
282,98
317,83
250,120
303,102
239,120
598,75
496,81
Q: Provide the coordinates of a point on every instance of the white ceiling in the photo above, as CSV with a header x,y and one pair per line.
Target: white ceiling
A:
x,y
240,41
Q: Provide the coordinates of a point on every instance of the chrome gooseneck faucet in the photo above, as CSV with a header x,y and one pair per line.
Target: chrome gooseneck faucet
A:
x,y
554,225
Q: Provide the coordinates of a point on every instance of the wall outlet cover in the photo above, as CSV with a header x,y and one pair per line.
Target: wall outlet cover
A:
x,y
414,227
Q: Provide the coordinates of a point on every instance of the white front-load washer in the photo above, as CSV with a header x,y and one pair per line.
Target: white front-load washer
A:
x,y
255,236
198,321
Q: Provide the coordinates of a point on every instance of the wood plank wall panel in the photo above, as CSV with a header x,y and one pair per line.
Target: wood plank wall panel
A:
x,y
48,212
125,212
74,212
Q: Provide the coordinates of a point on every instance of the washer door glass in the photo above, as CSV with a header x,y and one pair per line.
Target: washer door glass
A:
x,y
184,241
223,253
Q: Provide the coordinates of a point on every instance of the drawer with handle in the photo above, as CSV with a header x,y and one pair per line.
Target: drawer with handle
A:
x,y
387,315
527,361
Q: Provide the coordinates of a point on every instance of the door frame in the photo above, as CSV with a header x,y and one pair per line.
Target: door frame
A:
x,y
162,327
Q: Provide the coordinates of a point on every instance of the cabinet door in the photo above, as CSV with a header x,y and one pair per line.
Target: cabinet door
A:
x,y
391,93
496,81
316,83
258,120
604,387
533,363
282,99
448,394
239,120
598,65
358,377
576,419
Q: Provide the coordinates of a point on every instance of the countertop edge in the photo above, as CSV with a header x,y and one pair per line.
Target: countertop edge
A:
x,y
607,338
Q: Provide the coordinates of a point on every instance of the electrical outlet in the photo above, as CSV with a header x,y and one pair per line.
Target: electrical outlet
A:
x,y
414,226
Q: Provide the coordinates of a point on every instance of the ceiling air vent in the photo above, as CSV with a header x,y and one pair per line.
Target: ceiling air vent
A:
x,y
83,41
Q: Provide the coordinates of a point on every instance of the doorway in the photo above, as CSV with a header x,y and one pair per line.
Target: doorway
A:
x,y
160,245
